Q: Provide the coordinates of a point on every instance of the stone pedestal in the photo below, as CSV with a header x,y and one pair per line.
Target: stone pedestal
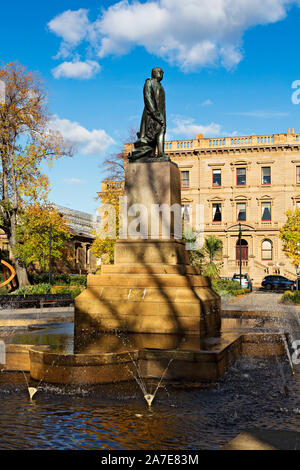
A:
x,y
151,288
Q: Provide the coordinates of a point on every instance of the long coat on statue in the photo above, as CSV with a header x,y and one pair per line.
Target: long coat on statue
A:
x,y
154,115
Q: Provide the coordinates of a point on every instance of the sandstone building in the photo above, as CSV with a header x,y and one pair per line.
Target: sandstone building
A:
x,y
252,180
80,259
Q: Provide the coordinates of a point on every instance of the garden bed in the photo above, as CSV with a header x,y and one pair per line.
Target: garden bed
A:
x,y
291,297
227,288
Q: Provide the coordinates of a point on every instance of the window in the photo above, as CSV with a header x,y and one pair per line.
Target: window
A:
x,y
241,176
186,212
241,211
217,178
266,175
298,174
87,254
185,179
265,211
217,212
266,250
297,204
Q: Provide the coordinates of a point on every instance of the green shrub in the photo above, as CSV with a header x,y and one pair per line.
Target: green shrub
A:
x,y
42,289
291,297
78,280
39,289
72,292
59,279
3,291
227,287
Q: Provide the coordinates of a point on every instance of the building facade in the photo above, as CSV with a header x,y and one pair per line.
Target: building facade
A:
x,y
252,180
78,259
83,228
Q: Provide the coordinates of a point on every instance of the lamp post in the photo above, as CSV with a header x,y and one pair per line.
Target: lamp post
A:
x,y
240,228
240,244
50,248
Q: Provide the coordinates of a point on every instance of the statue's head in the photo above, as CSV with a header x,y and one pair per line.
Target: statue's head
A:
x,y
157,73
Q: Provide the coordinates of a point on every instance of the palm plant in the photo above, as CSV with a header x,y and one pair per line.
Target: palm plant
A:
x,y
212,247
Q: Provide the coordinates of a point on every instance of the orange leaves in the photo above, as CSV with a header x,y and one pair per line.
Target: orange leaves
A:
x,y
25,144
34,234
290,236
25,139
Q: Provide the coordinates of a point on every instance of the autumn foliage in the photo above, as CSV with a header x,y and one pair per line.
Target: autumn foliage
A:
x,y
33,234
290,236
26,142
104,247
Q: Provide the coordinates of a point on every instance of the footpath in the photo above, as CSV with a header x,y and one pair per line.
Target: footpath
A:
x,y
22,318
259,304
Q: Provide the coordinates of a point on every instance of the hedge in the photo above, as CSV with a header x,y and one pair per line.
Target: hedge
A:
x,y
291,297
226,287
42,289
59,279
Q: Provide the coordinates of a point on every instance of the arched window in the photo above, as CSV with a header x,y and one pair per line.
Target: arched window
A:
x,y
267,250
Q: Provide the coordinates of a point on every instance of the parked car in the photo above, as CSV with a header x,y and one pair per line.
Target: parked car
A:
x,y
278,282
246,281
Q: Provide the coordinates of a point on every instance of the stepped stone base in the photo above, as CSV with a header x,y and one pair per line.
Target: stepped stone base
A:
x,y
150,288
148,299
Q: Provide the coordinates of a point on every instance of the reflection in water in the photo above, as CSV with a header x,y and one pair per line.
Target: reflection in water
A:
x,y
60,337
249,395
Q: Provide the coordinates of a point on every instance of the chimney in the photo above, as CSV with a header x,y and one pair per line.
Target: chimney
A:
x,y
199,136
289,130
293,131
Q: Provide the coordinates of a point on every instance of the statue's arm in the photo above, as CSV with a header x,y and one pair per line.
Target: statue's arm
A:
x,y
150,103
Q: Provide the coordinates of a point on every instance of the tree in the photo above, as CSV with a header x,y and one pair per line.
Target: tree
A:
x,y
196,257
290,236
114,166
33,234
25,143
104,247
213,248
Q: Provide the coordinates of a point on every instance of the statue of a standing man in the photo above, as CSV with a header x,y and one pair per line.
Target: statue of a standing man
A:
x,y
153,124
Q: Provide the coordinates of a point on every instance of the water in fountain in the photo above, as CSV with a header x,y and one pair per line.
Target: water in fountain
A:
x,y
284,340
138,377
31,390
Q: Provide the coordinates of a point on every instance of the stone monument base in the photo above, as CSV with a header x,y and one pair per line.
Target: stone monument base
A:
x,y
151,288
172,299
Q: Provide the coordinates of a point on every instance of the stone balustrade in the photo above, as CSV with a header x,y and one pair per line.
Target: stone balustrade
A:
x,y
230,142
200,142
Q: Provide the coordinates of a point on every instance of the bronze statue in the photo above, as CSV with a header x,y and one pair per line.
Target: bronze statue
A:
x,y
153,124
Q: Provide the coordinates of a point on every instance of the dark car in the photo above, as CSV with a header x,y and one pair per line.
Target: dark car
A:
x,y
278,282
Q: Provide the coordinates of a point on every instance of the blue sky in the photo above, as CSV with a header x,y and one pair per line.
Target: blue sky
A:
x,y
229,68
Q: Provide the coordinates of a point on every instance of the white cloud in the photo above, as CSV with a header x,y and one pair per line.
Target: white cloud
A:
x,y
77,69
187,128
189,33
192,33
206,103
73,180
93,142
72,27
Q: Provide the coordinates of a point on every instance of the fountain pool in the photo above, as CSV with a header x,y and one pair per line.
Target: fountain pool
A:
x,y
195,417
